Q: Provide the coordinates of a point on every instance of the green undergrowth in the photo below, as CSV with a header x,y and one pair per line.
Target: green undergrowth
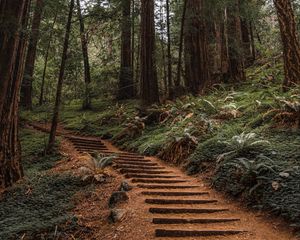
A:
x,y
38,206
245,134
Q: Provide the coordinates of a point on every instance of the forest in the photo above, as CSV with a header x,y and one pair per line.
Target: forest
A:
x,y
149,119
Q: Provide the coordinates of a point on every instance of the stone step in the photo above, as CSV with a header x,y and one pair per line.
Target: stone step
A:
x,y
186,210
194,233
139,180
151,186
193,220
179,201
175,194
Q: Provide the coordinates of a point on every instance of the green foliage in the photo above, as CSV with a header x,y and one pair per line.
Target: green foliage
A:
x,y
100,161
38,206
41,203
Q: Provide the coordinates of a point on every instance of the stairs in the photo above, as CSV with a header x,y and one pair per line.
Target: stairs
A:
x,y
179,208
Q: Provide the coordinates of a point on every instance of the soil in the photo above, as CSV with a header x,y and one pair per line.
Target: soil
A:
x,y
92,209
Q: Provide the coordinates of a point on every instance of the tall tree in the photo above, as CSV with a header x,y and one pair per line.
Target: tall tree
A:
x,y
126,83
84,46
26,89
60,79
13,18
46,59
196,49
290,42
179,66
149,85
169,55
235,48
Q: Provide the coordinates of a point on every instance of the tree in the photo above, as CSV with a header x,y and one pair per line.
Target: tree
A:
x,y
60,80
126,84
84,46
41,99
235,48
26,89
149,85
169,55
196,55
290,42
13,17
179,65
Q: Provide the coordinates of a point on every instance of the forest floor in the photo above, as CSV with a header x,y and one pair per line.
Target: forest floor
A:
x,y
241,140
82,212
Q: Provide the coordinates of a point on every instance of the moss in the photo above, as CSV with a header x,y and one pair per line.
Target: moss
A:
x,y
42,201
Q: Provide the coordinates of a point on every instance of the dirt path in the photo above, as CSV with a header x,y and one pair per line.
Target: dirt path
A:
x,y
167,204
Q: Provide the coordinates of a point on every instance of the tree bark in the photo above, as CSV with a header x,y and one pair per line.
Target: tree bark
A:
x,y
169,54
41,99
126,84
60,81
197,69
178,78
290,42
246,42
87,73
13,17
235,49
26,89
253,49
149,85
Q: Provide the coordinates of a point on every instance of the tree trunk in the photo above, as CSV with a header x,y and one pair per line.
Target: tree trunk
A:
x,y
126,84
253,49
246,42
87,73
178,78
290,42
169,54
149,85
196,47
41,100
60,80
13,15
26,89
235,49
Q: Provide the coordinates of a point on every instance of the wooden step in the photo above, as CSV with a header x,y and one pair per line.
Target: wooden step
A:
x,y
175,194
186,210
123,171
149,176
139,180
193,220
136,163
124,161
194,233
127,166
88,144
151,186
178,201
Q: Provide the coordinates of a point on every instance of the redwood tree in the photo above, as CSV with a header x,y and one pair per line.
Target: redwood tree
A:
x,y
126,83
60,80
235,47
86,63
149,85
13,17
26,89
196,48
290,42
